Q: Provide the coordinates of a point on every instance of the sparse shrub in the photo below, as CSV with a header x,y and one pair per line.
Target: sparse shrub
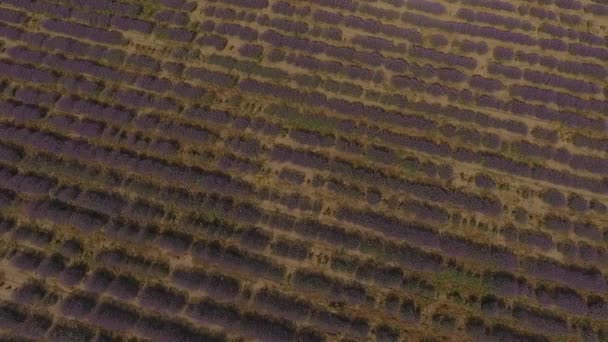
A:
x,y
161,298
124,287
31,292
78,304
114,316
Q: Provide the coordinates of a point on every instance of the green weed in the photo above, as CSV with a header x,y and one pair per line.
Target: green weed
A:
x,y
452,280
148,7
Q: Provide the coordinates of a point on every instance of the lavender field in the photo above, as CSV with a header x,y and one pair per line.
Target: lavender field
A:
x,y
303,170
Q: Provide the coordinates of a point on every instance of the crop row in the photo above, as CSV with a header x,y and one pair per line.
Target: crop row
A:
x,y
108,313
226,162
585,229
393,117
520,106
337,240
575,49
470,15
68,104
37,325
373,26
544,113
96,69
433,54
582,250
485,100
596,66
241,263
492,160
332,238
153,292
368,221
315,280
167,239
561,32
125,288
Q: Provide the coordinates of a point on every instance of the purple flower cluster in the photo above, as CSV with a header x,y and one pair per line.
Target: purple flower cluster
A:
x,y
83,31
27,73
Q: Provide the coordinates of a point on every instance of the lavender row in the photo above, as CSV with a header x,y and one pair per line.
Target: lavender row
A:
x,y
381,156
247,33
66,45
83,150
105,21
308,137
333,234
86,32
373,59
374,43
541,321
560,32
45,8
418,234
152,83
79,48
478,328
108,281
370,26
572,85
113,259
494,256
328,236
497,5
131,294
181,89
487,85
560,99
492,160
583,251
114,6
378,153
351,71
247,4
498,34
106,313
27,73
150,122
22,112
569,67
13,17
288,198
37,325
172,17
493,19
542,112
443,74
112,204
489,206
443,57
509,286
575,161
598,144
359,109
10,153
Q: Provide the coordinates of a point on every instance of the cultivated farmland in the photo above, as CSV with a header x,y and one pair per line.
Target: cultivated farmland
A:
x,y
303,170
